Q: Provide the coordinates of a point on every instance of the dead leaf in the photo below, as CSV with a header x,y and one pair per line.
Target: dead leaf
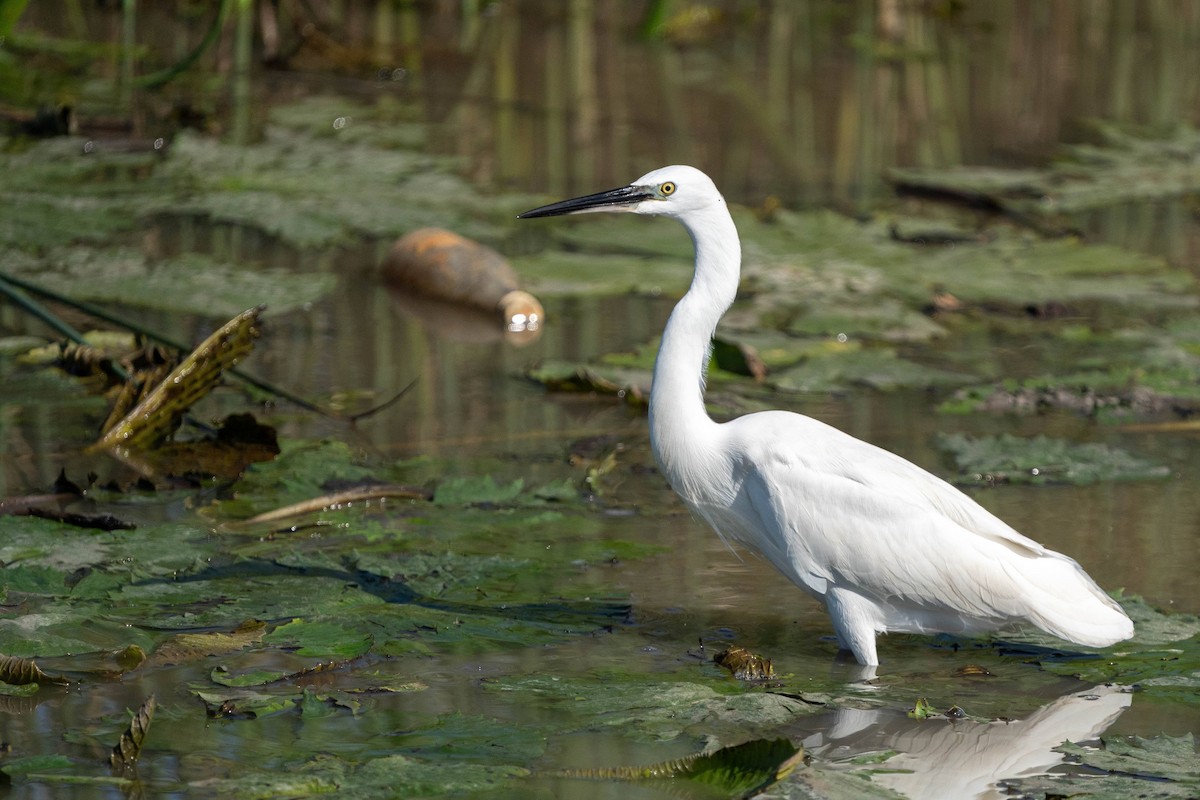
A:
x,y
22,671
744,665
157,415
125,755
973,670
192,646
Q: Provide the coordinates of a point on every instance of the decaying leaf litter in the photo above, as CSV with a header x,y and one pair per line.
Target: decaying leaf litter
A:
x,y
338,617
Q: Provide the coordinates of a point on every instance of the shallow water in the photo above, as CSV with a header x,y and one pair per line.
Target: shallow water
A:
x,y
474,411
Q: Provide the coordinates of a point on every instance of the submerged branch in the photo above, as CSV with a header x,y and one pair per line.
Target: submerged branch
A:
x,y
11,288
384,405
93,310
360,495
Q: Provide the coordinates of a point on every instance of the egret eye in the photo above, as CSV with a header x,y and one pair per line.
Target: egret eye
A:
x,y
667,189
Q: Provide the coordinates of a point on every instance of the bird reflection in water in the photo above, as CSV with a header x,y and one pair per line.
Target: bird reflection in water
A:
x,y
939,759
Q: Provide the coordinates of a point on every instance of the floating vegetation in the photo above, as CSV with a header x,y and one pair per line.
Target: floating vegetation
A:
x,y
185,647
345,620
1041,460
875,368
922,710
1134,766
1124,165
743,770
650,709
348,604
1119,392
566,377
1162,660
24,672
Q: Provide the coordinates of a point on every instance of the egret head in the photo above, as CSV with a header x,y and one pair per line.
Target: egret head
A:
x,y
669,191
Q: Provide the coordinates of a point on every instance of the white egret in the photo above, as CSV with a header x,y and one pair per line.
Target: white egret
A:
x,y
884,544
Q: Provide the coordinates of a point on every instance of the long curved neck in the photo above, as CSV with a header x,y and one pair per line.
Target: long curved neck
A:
x,y
678,420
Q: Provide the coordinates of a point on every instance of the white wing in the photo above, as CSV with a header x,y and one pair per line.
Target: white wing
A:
x,y
844,513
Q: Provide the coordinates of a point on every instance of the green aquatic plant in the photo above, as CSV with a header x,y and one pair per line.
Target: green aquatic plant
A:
x,y
739,771
1042,460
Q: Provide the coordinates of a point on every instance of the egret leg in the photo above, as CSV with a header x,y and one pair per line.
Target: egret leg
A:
x,y
854,623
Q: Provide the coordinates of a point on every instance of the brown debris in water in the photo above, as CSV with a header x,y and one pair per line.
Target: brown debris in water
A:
x,y
158,412
744,665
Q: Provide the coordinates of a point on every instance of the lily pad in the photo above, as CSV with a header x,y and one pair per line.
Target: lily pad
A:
x,y
742,770
656,710
1041,460
476,491
1162,767
877,368
1162,659
1125,165
382,778
610,380
471,738
319,639
1170,757
239,702
191,283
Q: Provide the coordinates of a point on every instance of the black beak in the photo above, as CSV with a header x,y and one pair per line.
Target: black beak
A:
x,y
625,196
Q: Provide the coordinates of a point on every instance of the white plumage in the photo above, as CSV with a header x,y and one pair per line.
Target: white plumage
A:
x,y
884,544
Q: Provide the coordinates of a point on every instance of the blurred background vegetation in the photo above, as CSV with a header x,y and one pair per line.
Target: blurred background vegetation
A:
x,y
806,102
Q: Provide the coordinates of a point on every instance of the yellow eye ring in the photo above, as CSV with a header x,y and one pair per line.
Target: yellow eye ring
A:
x,y
667,189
